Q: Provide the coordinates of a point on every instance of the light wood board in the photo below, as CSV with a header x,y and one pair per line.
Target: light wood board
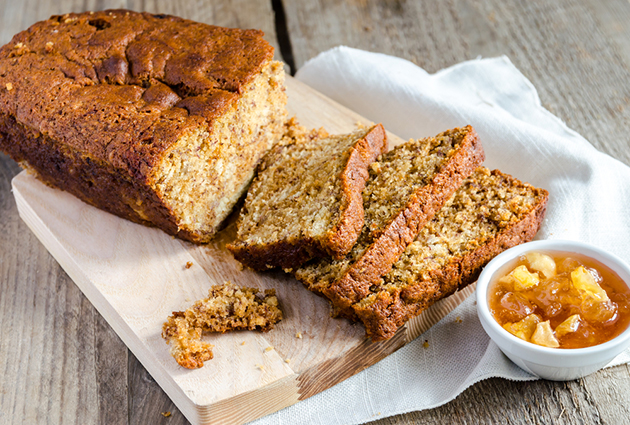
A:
x,y
136,276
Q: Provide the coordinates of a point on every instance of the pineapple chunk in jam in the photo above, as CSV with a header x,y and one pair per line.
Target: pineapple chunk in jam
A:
x,y
585,282
560,300
543,335
541,263
520,278
524,328
568,326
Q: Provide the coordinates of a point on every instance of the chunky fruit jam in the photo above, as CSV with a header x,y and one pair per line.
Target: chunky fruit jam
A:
x,y
560,300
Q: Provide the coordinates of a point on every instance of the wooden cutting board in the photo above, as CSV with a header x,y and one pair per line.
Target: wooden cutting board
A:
x,y
136,276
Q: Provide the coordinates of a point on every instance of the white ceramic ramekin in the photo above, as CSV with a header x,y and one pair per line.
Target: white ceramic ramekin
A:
x,y
551,363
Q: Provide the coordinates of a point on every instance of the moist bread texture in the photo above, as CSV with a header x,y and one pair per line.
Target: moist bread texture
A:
x,y
154,118
227,308
306,199
406,187
490,213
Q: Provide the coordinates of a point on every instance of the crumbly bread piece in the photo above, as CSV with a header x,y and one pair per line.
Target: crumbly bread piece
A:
x,y
406,187
154,118
490,213
306,199
227,308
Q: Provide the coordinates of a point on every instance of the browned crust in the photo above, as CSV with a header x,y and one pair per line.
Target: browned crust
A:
x,y
392,309
340,240
285,254
378,259
289,254
120,86
62,167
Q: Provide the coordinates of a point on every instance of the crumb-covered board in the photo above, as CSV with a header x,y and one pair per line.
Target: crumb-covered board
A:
x,y
137,276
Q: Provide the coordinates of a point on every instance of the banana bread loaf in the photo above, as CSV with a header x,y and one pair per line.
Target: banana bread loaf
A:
x,y
154,118
306,199
490,213
406,187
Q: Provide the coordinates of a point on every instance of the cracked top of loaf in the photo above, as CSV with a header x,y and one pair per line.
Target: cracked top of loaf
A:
x,y
121,86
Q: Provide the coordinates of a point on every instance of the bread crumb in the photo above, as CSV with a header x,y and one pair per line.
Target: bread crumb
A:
x,y
268,349
9,86
227,308
259,366
425,344
243,343
189,264
298,335
458,319
166,414
287,360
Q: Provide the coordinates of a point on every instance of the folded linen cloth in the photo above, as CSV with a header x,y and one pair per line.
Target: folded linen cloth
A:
x,y
588,193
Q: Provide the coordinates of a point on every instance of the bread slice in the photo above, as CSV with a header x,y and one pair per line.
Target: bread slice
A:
x,y
306,199
490,213
227,308
407,186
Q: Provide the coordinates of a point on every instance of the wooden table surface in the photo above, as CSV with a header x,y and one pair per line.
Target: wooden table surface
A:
x,y
60,362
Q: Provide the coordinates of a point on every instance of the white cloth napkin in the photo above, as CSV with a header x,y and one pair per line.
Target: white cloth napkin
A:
x,y
589,198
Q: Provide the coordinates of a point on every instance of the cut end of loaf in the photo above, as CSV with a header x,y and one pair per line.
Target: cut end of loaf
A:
x,y
208,170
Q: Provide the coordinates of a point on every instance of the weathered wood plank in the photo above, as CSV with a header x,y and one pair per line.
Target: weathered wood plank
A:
x,y
147,402
51,366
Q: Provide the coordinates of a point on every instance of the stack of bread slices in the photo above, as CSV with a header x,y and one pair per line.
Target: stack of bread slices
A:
x,y
382,235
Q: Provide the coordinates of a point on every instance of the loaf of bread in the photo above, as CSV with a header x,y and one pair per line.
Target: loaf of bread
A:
x,y
154,118
306,199
227,308
490,213
406,187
